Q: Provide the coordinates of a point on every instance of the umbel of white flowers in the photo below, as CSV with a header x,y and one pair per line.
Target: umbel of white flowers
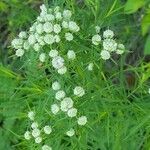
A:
x,y
108,43
50,27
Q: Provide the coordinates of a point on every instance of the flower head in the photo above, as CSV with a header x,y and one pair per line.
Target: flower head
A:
x,y
71,132
82,120
79,91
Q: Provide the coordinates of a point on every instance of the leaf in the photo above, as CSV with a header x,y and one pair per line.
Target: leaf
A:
x,y
133,5
147,46
145,23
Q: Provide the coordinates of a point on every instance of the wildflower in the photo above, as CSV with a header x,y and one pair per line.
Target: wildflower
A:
x,y
54,109
56,86
66,103
57,28
34,125
42,57
97,28
60,95
49,39
73,26
36,47
57,38
19,52
53,53
71,55
46,147
109,45
71,132
39,28
57,62
62,70
90,66
108,34
65,24
31,39
82,120
26,45
67,14
47,129
68,36
31,115
58,16
17,43
35,132
96,39
27,135
38,140
23,35
50,17
120,49
72,112
48,27
105,54
79,91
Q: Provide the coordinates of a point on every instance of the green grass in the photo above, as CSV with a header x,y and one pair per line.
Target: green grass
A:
x,y
116,103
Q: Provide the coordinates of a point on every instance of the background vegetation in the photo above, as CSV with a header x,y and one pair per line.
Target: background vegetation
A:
x,y
119,110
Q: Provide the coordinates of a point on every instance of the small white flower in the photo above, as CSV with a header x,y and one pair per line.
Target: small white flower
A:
x,y
27,135
48,27
17,43
90,66
19,52
54,109
68,36
71,132
42,57
34,125
31,115
60,94
105,54
56,86
82,120
47,129
36,47
43,8
66,103
57,38
23,35
67,14
120,50
35,132
58,16
53,53
73,26
79,91
57,62
49,39
57,28
109,45
56,9
39,28
108,34
71,55
72,112
65,24
97,28
62,70
38,140
31,39
96,39
50,17
46,147
26,45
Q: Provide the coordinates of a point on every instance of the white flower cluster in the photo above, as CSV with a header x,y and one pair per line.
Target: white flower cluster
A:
x,y
51,27
108,43
66,104
36,132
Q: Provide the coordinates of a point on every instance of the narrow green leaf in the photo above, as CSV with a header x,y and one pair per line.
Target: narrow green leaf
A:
x,y
145,23
147,46
133,5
